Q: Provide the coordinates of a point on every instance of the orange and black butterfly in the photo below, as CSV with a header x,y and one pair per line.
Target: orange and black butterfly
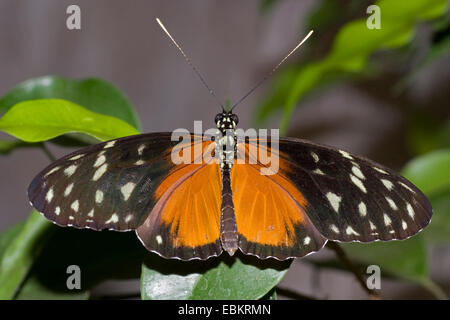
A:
x,y
199,209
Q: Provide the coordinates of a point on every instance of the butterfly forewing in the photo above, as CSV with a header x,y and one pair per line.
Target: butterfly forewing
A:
x,y
105,186
350,198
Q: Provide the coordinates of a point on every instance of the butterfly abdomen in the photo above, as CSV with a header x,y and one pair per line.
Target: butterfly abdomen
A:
x,y
228,227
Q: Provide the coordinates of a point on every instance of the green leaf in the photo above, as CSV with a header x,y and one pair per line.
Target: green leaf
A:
x,y
94,94
7,236
243,277
430,172
22,250
39,120
354,44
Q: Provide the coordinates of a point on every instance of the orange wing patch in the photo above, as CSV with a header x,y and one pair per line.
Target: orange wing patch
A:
x,y
188,201
268,208
191,206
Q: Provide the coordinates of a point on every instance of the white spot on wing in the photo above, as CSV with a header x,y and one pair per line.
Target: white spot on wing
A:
x,y
357,172
91,213
100,160
388,184
387,220
49,195
141,149
57,211
99,172
159,239
350,231
406,186
358,183
380,170
70,170
75,205
334,228
404,225
315,157
127,190
306,241
410,210
391,203
346,154
114,218
78,156
362,209
372,226
99,196
139,162
318,171
109,144
52,171
334,200
128,218
68,190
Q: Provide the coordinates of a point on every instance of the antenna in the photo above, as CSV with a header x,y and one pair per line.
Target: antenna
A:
x,y
273,70
189,62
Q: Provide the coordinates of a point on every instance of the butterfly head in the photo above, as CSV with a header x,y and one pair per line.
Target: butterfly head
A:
x,y
226,120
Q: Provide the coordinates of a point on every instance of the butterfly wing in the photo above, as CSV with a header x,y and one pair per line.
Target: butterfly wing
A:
x,y
350,198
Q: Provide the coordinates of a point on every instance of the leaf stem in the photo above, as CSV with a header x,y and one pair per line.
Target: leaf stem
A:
x,y
47,152
342,256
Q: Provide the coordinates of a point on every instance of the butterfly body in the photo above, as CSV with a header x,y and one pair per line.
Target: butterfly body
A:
x,y
226,148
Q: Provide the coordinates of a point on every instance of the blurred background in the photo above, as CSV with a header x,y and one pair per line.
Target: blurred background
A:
x,y
388,101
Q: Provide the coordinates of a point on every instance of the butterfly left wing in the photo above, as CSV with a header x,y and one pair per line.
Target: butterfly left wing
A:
x,y
350,198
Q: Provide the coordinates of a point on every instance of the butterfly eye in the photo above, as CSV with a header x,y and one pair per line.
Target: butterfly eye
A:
x,y
218,118
235,118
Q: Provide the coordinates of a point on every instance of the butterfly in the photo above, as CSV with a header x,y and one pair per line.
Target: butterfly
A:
x,y
199,209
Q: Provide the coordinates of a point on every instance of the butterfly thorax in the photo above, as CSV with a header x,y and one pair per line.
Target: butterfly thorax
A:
x,y
226,146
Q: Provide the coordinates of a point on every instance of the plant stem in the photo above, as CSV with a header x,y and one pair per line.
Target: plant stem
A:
x,y
47,152
342,256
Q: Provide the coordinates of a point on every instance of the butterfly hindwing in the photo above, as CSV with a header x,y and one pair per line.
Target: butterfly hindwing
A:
x,y
270,215
184,223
